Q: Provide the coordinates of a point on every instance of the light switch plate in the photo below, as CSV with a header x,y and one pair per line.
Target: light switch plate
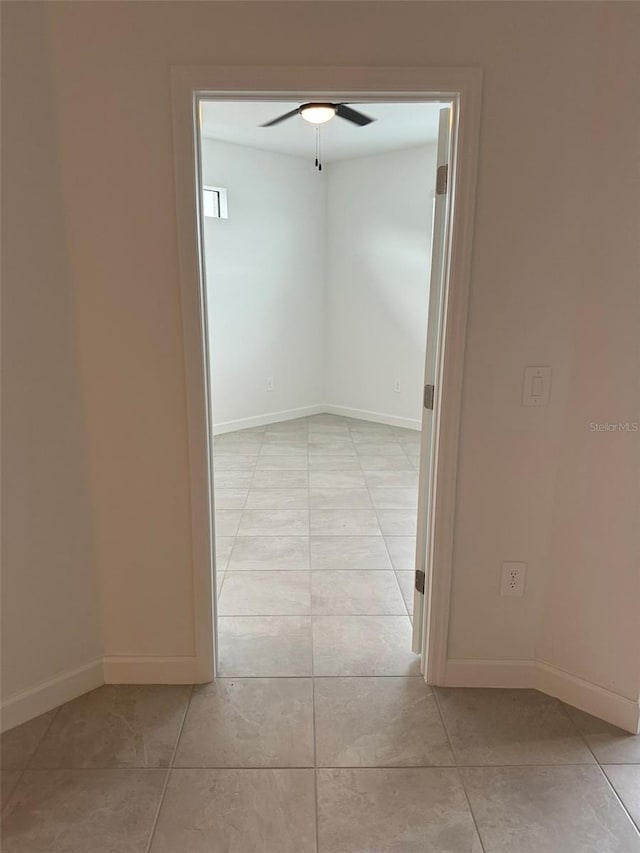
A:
x,y
537,386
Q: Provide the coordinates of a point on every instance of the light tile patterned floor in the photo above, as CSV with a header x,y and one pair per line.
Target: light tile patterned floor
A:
x,y
320,736
323,503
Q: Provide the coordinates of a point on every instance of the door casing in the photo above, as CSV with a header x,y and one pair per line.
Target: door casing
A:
x,y
463,87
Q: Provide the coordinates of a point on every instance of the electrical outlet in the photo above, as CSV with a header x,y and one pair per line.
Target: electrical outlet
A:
x,y
513,579
269,383
396,386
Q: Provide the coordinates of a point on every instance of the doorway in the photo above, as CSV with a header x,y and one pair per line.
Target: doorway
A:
x,y
322,307
434,654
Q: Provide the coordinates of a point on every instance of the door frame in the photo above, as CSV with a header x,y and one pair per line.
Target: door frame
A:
x,y
463,86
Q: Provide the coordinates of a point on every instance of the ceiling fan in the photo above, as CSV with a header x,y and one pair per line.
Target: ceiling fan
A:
x,y
319,113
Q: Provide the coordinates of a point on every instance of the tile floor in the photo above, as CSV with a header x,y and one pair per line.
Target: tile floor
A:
x,y
315,542
320,736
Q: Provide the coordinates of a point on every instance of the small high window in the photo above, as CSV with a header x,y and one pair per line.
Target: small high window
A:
x,y
214,203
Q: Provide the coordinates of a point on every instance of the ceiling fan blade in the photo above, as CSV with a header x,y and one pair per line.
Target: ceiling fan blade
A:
x,y
280,118
344,111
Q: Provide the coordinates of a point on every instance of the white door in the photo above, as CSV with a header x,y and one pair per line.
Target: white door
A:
x,y
434,341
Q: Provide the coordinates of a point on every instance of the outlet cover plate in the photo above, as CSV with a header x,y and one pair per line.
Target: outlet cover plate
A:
x,y
512,579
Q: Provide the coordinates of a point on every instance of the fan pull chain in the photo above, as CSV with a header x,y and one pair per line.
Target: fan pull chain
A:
x,y
319,158
317,144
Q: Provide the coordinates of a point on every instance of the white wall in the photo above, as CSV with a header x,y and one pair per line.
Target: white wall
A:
x,y
319,280
379,251
554,281
51,620
265,269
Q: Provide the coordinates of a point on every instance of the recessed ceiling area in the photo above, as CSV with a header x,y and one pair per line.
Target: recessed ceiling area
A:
x,y
396,126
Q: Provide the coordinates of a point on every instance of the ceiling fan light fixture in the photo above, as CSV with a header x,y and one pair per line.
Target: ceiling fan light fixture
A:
x,y
317,113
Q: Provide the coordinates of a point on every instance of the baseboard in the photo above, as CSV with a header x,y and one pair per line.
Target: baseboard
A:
x,y
376,417
270,418
30,703
490,673
151,670
615,709
55,691
305,412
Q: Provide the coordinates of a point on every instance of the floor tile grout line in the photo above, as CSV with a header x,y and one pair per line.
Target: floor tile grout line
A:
x,y
325,535
459,774
563,709
470,807
47,729
636,825
120,769
169,771
583,737
313,669
375,509
235,537
312,615
434,691
386,545
309,546
230,677
310,596
327,613
27,766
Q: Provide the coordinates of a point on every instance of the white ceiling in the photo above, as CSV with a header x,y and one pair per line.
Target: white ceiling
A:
x,y
399,125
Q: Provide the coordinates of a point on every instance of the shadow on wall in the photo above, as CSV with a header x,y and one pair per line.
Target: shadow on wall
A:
x,y
50,613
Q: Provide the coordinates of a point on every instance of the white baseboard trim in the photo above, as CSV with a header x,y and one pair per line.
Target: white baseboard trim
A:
x,y
305,412
377,417
271,418
615,709
151,670
30,703
490,673
55,691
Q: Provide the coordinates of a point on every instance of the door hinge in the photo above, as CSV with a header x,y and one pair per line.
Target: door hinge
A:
x,y
429,392
420,581
442,179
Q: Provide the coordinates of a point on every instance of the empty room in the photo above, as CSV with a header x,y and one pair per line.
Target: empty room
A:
x,y
317,345
320,426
